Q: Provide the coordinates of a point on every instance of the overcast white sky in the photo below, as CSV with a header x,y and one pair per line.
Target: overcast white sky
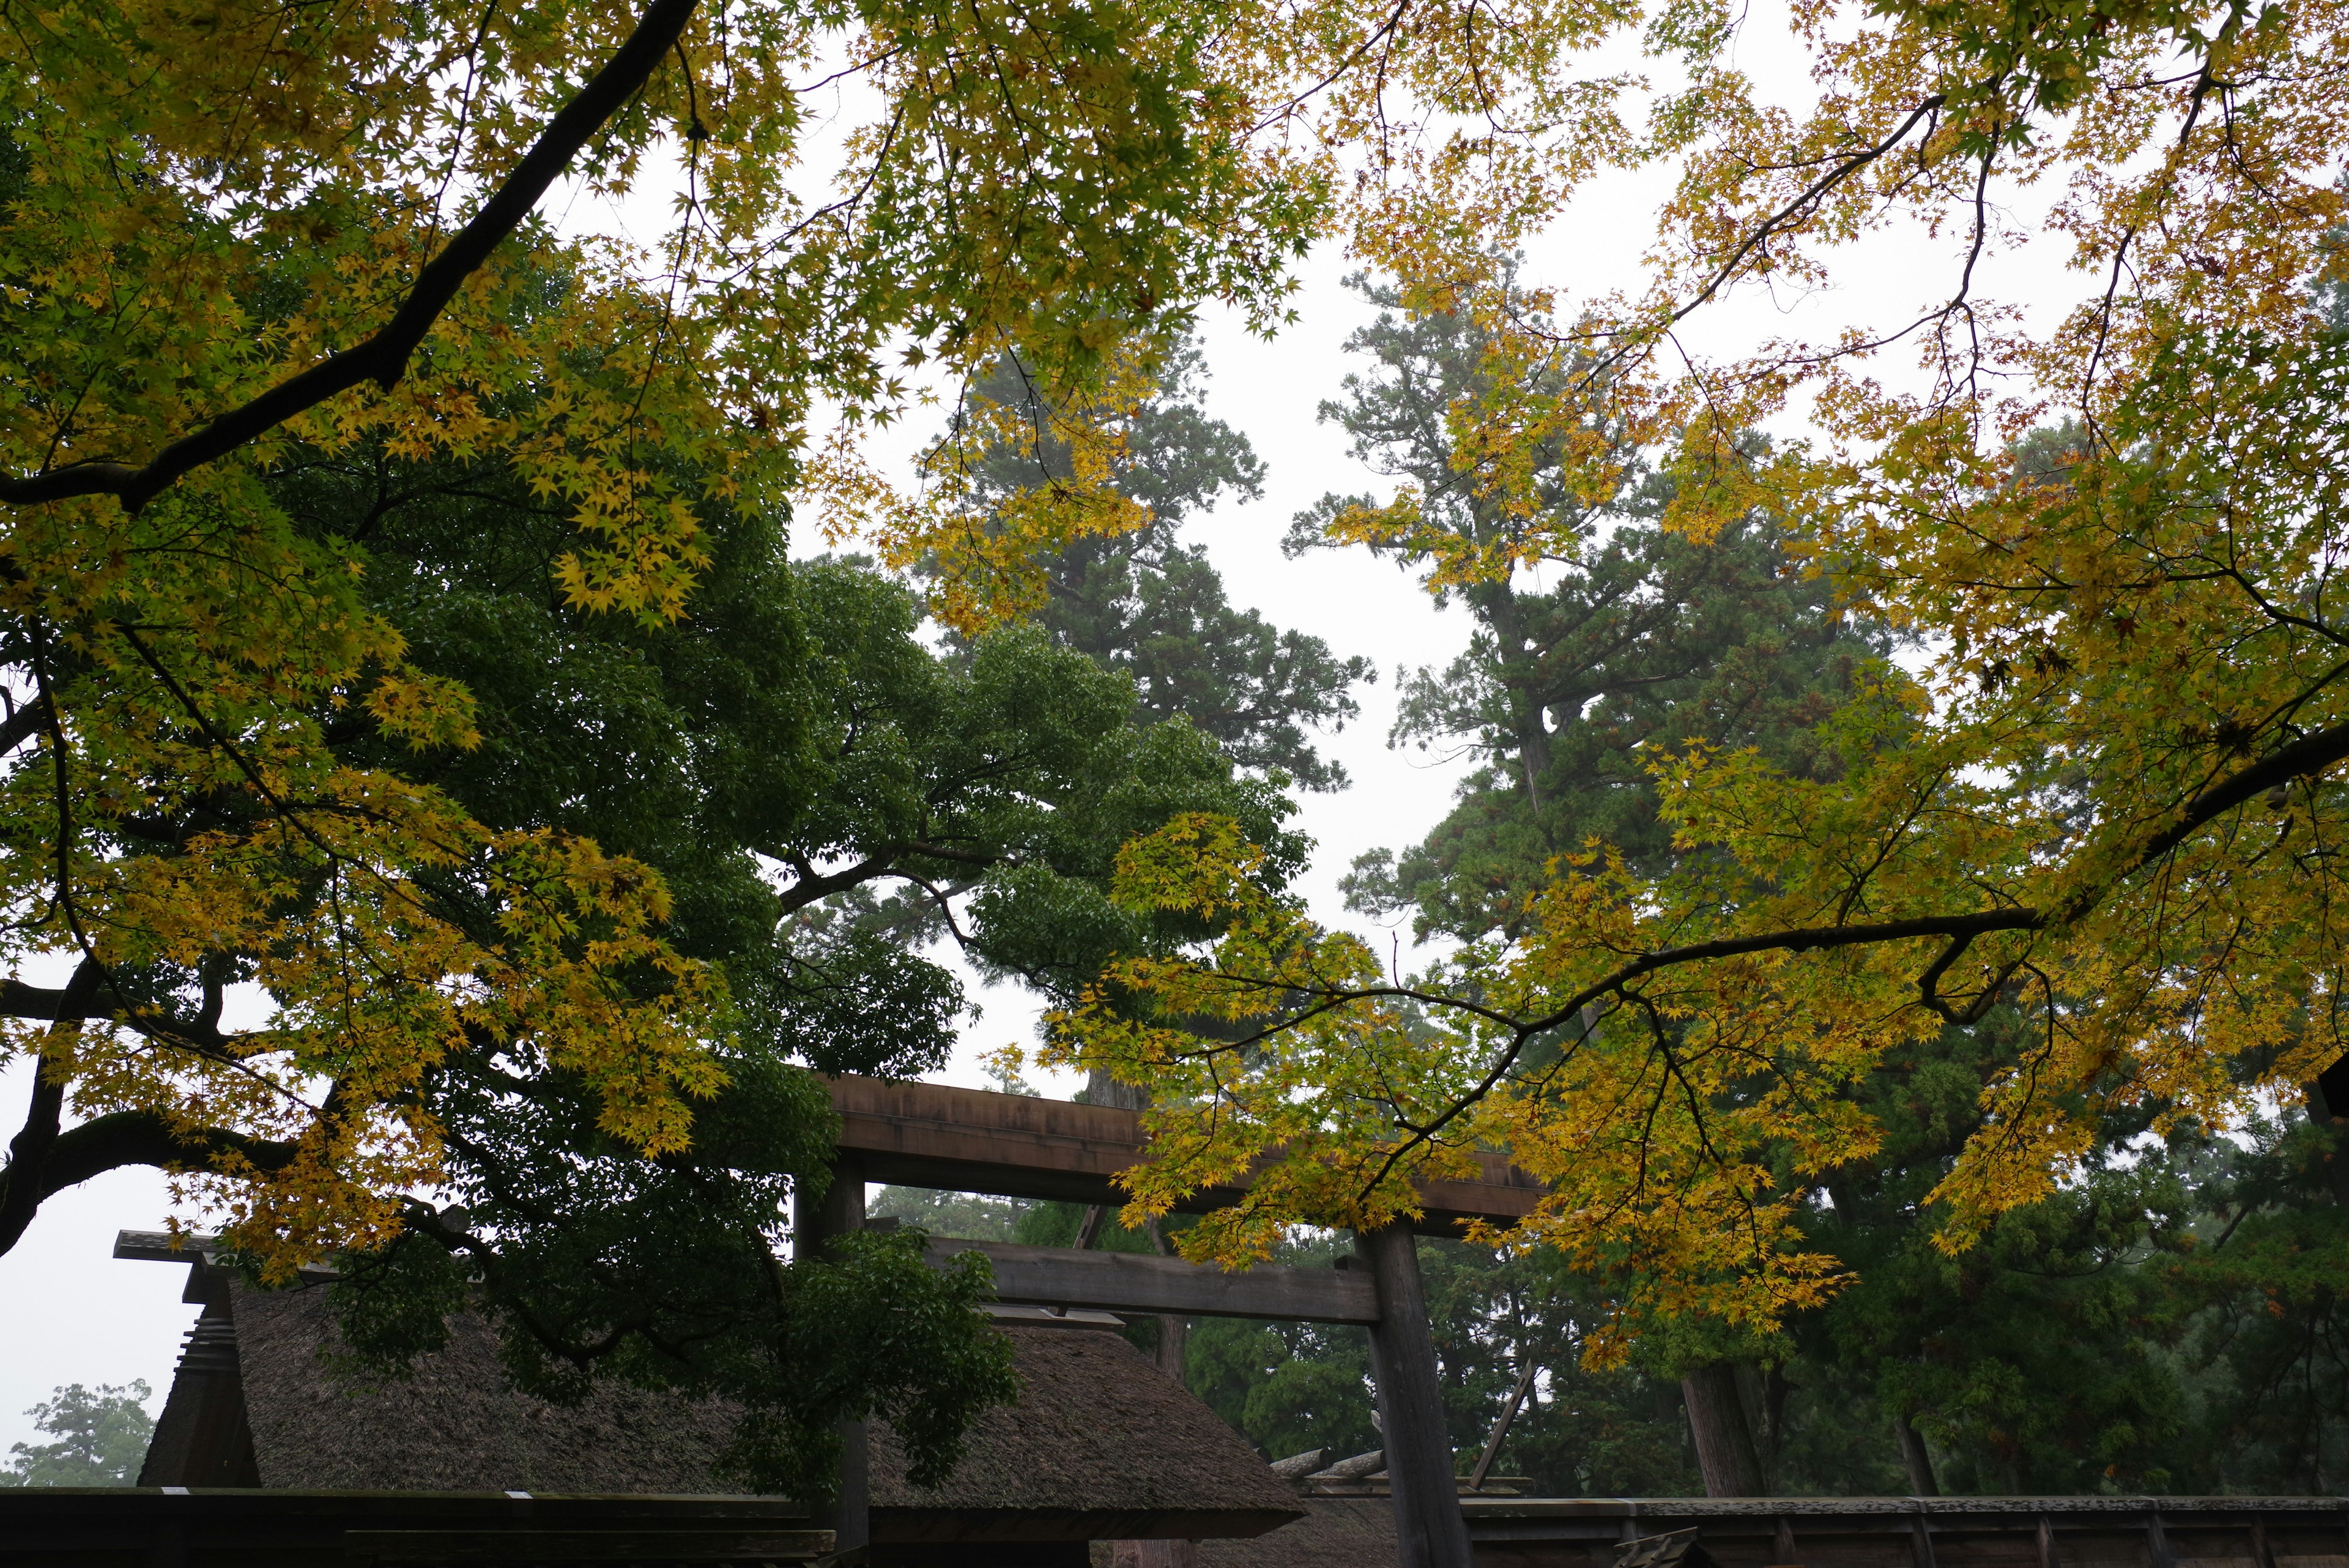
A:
x,y
72,1314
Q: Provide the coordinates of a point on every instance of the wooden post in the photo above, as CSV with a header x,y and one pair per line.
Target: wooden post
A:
x,y
837,1213
1430,1531
1916,1458
1920,1539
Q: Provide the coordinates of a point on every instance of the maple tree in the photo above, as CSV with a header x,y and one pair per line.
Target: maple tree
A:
x,y
285,920
232,239
2103,798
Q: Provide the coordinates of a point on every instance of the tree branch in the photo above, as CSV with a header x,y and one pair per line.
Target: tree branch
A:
x,y
143,1137
383,356
111,1143
2309,754
29,720
28,1154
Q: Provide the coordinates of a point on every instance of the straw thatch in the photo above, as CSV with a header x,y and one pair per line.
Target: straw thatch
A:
x,y
1336,1533
456,1424
1099,1443
1097,1428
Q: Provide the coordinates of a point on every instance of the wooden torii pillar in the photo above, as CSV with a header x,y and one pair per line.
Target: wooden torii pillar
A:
x,y
1014,1146
1429,1530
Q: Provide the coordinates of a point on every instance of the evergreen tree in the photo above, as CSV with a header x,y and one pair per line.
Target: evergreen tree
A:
x,y
102,1437
1581,665
1584,663
1154,608
2039,1361
2264,1359
2167,1322
2045,1359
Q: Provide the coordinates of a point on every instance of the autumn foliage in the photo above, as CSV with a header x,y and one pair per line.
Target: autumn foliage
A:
x,y
239,241
2098,796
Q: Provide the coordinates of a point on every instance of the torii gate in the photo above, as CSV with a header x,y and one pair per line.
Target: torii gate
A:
x,y
1016,1146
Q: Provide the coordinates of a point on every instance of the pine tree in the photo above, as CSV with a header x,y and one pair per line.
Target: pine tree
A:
x,y
1613,640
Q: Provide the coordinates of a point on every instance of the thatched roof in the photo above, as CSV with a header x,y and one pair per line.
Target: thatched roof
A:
x,y
456,1425
1336,1533
1098,1426
1100,1444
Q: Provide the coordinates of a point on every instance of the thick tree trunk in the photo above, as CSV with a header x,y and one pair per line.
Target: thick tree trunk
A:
x,y
1104,1089
1174,1333
1520,678
1915,1459
2328,1108
815,1220
1174,1340
1725,1450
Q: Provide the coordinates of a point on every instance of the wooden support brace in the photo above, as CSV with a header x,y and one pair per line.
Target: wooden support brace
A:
x,y
1501,1426
1920,1540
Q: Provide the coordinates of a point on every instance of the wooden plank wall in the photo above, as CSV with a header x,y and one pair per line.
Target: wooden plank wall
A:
x,y
1942,1532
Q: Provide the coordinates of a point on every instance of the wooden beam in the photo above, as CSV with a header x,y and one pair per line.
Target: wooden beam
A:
x,y
156,1246
501,1548
1022,1146
1130,1282
1046,1276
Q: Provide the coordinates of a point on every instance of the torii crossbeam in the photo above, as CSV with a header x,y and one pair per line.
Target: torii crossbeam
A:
x,y
1023,1145
1019,1145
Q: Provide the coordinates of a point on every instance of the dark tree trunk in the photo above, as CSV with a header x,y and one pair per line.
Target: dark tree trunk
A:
x,y
1914,1458
1174,1339
1106,1089
839,1210
1174,1333
2328,1108
1725,1450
